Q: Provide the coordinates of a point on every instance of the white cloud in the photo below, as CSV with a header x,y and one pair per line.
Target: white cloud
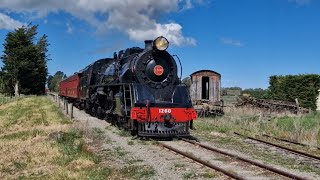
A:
x,y
171,31
230,41
6,22
136,18
188,5
300,2
69,28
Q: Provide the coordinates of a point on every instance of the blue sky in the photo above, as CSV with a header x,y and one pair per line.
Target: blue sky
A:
x,y
246,41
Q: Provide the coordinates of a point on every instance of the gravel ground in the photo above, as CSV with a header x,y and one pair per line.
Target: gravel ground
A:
x,y
167,165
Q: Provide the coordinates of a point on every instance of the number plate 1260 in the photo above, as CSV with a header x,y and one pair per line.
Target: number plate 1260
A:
x,y
162,111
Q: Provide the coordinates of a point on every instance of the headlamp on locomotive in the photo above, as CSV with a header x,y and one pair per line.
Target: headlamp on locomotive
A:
x,y
161,43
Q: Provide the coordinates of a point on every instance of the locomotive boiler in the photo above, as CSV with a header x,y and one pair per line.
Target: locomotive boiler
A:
x,y
138,89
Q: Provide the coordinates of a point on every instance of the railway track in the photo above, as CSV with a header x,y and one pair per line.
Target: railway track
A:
x,y
285,140
300,153
227,171
288,141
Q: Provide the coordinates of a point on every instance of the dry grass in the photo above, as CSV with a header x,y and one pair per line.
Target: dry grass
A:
x,y
28,151
38,142
303,129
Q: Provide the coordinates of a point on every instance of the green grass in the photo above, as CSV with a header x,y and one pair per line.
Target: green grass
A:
x,y
178,165
209,175
233,142
124,133
23,134
97,133
99,173
190,175
37,142
73,147
311,121
117,152
4,99
131,143
137,172
285,123
304,129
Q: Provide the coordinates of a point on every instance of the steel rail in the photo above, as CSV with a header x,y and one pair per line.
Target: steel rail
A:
x,y
284,140
281,147
224,171
272,169
288,141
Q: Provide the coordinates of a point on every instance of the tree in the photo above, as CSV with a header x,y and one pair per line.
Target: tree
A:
x,y
256,92
53,81
49,81
187,81
287,88
225,89
24,61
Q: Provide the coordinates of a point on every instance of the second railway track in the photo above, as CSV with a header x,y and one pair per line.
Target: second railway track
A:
x,y
274,173
300,153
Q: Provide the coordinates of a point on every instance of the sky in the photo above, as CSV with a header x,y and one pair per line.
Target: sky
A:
x,y
245,41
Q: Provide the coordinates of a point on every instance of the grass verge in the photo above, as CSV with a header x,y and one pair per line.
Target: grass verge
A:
x,y
38,142
304,129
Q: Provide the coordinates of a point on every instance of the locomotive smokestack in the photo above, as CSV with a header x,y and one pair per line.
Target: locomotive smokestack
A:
x,y
148,44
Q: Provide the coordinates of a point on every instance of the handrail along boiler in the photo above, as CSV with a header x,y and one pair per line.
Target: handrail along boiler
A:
x,y
138,89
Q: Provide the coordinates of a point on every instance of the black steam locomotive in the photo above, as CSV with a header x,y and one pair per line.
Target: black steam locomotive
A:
x,y
138,89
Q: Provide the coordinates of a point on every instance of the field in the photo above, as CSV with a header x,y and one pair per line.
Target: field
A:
x,y
38,142
304,129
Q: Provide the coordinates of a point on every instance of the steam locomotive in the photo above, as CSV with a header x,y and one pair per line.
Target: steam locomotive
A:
x,y
138,89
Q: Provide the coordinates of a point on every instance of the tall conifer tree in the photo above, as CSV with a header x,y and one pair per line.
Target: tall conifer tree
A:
x,y
25,61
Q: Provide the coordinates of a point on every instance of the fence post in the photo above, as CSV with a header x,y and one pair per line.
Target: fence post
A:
x,y
64,103
71,111
59,99
67,108
298,106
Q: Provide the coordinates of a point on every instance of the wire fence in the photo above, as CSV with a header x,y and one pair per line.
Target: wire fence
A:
x,y
7,99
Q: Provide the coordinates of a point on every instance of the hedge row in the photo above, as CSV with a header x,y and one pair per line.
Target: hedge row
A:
x,y
304,87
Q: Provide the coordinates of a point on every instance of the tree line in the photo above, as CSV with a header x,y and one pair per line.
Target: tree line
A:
x,y
24,60
304,87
